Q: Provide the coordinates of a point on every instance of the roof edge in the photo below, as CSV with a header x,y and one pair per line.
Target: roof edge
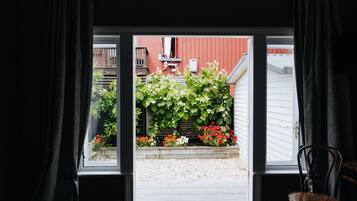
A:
x,y
238,70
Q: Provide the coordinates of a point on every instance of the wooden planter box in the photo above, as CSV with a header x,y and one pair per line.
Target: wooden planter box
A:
x,y
104,153
190,152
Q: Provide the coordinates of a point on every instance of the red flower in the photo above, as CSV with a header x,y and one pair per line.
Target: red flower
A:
x,y
235,138
212,123
98,138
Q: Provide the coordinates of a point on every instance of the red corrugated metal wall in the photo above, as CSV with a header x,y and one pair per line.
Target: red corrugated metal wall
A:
x,y
279,51
226,51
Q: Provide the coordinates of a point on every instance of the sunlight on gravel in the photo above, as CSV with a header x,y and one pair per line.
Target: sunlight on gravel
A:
x,y
169,171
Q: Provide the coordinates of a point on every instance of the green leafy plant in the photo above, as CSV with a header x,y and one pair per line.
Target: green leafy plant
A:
x,y
139,98
97,93
210,99
204,98
103,105
166,100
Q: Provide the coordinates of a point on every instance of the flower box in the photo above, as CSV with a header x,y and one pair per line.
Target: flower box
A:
x,y
190,152
103,153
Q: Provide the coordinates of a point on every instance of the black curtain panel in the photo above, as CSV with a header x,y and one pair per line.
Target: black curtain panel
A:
x,y
316,23
66,97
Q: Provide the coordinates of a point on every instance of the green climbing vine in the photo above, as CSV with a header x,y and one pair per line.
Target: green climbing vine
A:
x,y
204,98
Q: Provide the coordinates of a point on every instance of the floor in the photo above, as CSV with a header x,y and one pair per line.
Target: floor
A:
x,y
227,191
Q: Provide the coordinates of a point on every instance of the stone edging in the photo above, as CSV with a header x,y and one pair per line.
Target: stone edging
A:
x,y
191,152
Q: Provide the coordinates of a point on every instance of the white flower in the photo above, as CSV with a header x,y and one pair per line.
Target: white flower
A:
x,y
183,140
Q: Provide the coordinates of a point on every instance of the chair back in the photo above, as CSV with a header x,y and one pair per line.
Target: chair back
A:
x,y
313,153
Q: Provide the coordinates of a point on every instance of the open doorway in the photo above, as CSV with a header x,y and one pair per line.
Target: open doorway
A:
x,y
191,117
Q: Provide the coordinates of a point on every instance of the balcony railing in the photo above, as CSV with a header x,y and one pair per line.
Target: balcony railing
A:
x,y
141,57
105,60
104,57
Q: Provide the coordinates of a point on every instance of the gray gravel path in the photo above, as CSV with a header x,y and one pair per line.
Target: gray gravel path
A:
x,y
190,180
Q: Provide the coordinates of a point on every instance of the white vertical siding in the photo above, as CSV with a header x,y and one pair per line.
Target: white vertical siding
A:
x,y
279,117
280,137
241,116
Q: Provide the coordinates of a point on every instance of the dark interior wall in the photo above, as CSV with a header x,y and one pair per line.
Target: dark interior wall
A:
x,y
239,13
30,32
25,139
276,187
346,69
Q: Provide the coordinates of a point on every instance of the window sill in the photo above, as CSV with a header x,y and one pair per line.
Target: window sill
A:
x,y
279,172
170,59
84,173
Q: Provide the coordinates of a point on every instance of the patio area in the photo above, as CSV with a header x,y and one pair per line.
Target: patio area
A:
x,y
190,179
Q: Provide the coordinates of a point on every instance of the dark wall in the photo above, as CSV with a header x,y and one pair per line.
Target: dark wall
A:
x,y
25,152
25,139
346,69
277,186
104,187
239,13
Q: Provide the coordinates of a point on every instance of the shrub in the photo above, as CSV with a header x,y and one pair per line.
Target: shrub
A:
x,y
210,99
103,105
216,135
166,100
205,98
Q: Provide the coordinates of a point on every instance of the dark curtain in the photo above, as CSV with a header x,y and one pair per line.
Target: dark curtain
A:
x,y
316,23
66,97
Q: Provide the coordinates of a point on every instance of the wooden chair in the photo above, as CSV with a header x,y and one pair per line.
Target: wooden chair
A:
x,y
310,187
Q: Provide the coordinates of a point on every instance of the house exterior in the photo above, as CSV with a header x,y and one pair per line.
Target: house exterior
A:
x,y
171,54
280,106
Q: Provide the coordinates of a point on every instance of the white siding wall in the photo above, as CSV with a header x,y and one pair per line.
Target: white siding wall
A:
x,y
279,117
241,116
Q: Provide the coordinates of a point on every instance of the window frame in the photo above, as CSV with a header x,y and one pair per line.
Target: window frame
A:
x,y
286,165
257,130
107,39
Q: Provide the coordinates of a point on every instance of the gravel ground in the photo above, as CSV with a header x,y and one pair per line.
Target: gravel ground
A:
x,y
173,171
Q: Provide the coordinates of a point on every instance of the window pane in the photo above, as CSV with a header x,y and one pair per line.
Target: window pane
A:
x,y
281,115
100,148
